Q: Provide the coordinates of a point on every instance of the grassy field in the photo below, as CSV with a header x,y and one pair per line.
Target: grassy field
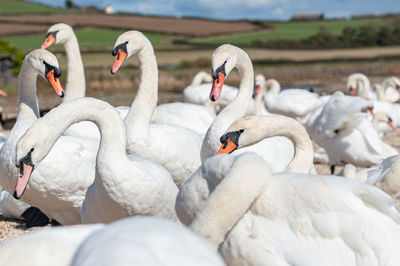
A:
x,y
21,7
288,31
88,38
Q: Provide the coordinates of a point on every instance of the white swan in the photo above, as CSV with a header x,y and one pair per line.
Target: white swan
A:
x,y
382,123
295,103
255,218
145,241
260,90
385,176
76,84
390,87
46,247
358,85
123,186
347,135
10,207
176,148
62,175
252,129
224,59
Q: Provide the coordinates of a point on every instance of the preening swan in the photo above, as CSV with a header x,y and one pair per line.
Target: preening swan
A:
x,y
260,90
176,148
145,241
224,59
255,218
123,186
347,135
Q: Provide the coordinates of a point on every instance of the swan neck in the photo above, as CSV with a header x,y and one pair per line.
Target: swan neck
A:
x,y
76,85
198,79
142,108
259,99
231,198
364,87
27,89
111,127
233,111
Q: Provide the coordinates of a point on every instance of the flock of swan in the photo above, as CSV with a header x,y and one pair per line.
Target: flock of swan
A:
x,y
229,181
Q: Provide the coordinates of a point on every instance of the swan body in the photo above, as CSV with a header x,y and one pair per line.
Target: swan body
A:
x,y
224,59
46,247
123,186
62,33
295,103
176,148
145,241
327,220
347,135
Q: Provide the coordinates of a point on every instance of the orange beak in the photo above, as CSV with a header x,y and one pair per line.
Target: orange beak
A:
x,y
22,180
228,147
119,59
256,91
353,91
55,83
217,87
3,93
50,40
391,124
371,110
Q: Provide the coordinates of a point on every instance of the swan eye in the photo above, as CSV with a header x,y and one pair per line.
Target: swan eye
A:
x,y
336,131
241,131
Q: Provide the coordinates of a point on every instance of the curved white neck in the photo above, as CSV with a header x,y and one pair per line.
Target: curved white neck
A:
x,y
27,90
274,88
231,198
277,125
259,99
76,85
233,111
363,86
111,127
199,78
141,112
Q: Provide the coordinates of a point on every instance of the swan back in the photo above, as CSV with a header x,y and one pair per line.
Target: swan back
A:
x,y
145,241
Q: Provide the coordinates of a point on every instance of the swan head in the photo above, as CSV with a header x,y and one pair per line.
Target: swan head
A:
x,y
259,84
46,64
127,44
30,150
244,132
358,84
58,33
224,59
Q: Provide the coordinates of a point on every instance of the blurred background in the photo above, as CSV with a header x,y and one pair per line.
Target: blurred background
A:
x,y
305,43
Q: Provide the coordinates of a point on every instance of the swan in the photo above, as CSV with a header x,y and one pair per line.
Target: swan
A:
x,y
390,87
295,103
10,207
145,241
385,176
258,218
46,247
358,85
176,148
62,33
347,135
382,123
252,129
224,59
59,177
260,89
123,185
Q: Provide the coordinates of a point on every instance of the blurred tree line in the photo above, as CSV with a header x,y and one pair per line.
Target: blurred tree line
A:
x,y
17,55
351,37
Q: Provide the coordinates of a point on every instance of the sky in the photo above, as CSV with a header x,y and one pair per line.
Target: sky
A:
x,y
241,9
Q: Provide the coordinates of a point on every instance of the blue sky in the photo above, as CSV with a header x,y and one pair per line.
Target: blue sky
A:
x,y
238,9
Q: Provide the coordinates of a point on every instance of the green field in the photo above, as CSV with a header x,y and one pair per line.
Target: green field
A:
x,y
287,31
88,38
22,7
